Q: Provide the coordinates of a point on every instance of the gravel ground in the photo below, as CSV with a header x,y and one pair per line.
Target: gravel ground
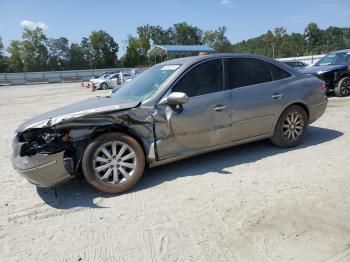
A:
x,y
254,202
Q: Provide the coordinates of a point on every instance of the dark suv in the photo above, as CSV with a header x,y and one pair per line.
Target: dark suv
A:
x,y
334,70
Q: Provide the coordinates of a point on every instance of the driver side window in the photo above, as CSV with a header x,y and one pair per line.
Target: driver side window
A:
x,y
204,79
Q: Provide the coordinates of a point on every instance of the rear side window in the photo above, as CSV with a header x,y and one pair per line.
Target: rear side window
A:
x,y
244,72
278,73
204,79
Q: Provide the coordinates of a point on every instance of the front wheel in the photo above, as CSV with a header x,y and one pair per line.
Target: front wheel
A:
x,y
291,127
104,86
113,162
343,87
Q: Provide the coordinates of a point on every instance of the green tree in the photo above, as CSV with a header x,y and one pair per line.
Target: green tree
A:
x,y
185,34
3,58
15,59
217,40
144,42
103,50
132,56
315,38
58,53
76,58
87,51
34,50
159,36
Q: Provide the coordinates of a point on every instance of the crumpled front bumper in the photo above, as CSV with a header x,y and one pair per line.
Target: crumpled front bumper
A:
x,y
45,170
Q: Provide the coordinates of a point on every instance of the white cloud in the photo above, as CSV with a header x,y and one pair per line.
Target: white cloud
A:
x,y
226,2
32,25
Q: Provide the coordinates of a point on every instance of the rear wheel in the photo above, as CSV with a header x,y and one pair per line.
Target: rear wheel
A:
x,y
113,163
343,87
291,127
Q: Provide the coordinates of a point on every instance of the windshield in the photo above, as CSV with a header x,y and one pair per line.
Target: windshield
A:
x,y
335,59
291,64
146,84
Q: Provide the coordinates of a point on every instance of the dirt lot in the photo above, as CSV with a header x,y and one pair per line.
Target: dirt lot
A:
x,y
254,202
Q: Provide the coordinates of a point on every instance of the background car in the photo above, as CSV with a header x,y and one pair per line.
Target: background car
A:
x,y
104,74
109,81
295,64
174,110
334,70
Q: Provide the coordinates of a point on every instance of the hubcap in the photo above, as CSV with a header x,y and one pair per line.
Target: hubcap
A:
x,y
293,126
114,162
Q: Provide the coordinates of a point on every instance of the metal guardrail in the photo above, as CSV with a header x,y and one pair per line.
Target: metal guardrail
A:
x,y
58,76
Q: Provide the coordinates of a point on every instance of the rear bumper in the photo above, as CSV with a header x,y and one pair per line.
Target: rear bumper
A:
x,y
45,170
317,110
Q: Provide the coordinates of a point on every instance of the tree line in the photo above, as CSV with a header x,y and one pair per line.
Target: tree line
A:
x,y
36,52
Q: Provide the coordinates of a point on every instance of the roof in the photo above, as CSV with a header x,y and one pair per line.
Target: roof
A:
x,y
178,49
341,51
190,60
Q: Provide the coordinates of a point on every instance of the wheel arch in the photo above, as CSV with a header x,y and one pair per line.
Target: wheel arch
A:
x,y
100,130
119,128
295,103
344,74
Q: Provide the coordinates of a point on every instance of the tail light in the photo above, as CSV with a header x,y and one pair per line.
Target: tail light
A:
x,y
323,87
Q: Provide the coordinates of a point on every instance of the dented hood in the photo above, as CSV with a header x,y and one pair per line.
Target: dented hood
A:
x,y
321,69
80,109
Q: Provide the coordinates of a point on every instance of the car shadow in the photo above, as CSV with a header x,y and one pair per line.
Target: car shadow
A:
x,y
77,193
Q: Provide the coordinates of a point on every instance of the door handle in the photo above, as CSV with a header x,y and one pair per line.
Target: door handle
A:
x,y
276,96
219,107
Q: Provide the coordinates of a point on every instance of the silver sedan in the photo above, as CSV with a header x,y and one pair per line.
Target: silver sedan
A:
x,y
174,110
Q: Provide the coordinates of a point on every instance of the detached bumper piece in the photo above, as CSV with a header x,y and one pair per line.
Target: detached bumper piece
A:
x,y
45,170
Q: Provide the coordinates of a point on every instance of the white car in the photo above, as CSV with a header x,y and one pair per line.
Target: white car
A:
x,y
110,81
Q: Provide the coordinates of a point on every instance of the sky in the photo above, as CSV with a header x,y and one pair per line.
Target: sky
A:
x,y
243,19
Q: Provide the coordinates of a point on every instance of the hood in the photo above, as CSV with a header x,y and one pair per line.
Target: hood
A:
x,y
86,107
321,69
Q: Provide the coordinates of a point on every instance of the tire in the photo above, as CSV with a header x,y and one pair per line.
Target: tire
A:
x,y
111,174
291,127
343,87
103,86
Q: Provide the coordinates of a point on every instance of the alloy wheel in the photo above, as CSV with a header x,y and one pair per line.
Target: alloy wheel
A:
x,y
345,87
293,126
114,162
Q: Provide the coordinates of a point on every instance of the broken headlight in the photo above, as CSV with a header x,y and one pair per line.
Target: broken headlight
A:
x,y
45,142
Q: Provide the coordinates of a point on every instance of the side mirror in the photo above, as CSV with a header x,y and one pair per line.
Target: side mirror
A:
x,y
177,98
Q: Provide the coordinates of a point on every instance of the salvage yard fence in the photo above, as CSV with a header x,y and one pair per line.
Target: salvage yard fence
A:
x,y
58,76
310,60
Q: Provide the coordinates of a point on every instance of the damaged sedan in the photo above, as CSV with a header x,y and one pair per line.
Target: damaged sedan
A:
x,y
174,110
334,70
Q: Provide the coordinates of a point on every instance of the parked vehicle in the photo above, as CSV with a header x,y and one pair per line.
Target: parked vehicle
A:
x,y
103,75
174,110
334,70
295,64
109,81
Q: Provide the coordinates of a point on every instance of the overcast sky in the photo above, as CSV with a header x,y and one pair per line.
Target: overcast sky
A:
x,y
243,18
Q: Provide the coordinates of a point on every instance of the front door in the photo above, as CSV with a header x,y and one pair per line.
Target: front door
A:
x,y
201,123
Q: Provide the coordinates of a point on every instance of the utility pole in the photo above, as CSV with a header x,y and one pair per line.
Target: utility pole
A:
x,y
273,50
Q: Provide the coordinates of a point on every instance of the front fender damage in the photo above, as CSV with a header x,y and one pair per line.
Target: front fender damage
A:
x,y
72,133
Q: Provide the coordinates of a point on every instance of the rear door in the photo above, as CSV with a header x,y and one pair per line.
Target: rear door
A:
x,y
204,121
256,96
